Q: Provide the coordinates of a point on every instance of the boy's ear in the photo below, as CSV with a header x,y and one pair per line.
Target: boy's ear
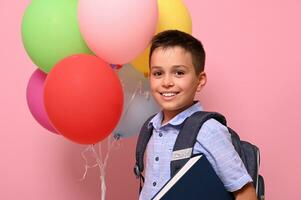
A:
x,y
202,81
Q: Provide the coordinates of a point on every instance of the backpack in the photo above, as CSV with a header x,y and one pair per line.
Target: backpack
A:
x,y
186,139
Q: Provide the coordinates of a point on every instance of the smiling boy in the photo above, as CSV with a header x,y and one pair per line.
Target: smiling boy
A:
x,y
177,72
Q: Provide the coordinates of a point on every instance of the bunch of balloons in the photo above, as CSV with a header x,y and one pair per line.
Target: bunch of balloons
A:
x,y
75,92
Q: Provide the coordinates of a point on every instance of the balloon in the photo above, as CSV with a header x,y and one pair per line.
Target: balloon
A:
x,y
50,32
35,99
117,30
83,98
173,14
139,105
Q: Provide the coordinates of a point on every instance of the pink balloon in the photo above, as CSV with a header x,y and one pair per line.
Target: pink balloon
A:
x,y
117,30
35,99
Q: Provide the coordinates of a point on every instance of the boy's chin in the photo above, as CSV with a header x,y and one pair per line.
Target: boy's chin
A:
x,y
171,108
175,108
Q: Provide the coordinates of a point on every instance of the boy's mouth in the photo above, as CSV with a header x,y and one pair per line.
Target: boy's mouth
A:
x,y
169,94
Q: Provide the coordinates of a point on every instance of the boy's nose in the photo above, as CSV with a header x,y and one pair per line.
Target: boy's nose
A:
x,y
167,81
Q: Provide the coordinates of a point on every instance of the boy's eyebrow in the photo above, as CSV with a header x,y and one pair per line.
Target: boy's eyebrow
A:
x,y
177,66
156,67
174,66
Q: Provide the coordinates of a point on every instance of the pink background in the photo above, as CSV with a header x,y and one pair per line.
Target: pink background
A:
x,y
252,71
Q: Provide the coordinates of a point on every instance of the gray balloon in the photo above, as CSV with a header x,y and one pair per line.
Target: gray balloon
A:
x,y
139,104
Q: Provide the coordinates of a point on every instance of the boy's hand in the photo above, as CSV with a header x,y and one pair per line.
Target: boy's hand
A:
x,y
247,192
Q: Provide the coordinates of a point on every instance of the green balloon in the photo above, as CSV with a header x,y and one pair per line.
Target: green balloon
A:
x,y
50,32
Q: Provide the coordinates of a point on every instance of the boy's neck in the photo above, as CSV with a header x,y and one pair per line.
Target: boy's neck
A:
x,y
169,114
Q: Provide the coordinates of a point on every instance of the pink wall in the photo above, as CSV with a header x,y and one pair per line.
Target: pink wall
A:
x,y
252,69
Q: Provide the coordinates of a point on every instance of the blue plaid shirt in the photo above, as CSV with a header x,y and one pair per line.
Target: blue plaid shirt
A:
x,y
213,140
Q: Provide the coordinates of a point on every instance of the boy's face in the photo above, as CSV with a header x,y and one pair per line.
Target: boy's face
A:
x,y
173,79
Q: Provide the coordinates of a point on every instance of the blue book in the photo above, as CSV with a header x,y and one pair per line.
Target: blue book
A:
x,y
196,180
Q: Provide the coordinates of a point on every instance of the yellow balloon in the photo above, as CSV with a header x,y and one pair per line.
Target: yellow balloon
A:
x,y
173,14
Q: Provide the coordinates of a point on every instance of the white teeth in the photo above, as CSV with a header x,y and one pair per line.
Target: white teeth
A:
x,y
169,94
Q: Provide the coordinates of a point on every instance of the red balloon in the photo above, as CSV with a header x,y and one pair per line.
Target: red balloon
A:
x,y
83,98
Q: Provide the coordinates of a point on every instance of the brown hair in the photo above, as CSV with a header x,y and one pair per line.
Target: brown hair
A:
x,y
172,38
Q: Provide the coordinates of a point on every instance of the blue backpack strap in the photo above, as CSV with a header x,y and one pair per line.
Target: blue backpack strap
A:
x,y
144,136
186,139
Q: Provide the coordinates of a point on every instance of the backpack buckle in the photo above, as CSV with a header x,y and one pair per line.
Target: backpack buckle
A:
x,y
137,171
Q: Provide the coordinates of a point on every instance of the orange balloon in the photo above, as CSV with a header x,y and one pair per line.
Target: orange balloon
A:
x,y
83,98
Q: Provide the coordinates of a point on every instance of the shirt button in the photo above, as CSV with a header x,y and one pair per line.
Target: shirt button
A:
x,y
160,134
157,158
154,183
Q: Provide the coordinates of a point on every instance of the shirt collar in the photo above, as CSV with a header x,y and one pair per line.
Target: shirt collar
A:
x,y
178,119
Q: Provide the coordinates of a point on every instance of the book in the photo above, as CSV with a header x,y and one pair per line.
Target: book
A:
x,y
196,180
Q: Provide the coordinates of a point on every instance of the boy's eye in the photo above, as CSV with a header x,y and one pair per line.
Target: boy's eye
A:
x,y
157,73
179,73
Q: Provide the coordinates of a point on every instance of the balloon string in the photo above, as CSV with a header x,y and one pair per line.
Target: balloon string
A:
x,y
111,144
87,166
100,162
101,165
138,89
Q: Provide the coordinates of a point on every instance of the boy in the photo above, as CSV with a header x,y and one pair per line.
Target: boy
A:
x,y
176,73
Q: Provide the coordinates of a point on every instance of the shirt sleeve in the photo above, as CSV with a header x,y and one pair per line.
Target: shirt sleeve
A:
x,y
214,141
